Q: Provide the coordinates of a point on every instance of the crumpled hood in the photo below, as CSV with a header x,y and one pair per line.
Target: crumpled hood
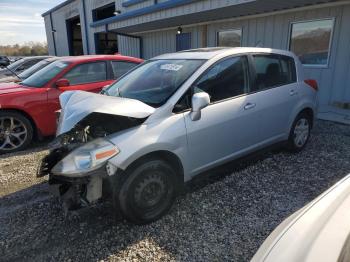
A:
x,y
76,105
6,88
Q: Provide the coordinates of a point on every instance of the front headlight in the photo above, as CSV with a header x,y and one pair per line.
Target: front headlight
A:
x,y
86,158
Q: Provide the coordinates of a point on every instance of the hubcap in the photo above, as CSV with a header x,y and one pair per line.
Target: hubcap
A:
x,y
150,191
301,132
13,133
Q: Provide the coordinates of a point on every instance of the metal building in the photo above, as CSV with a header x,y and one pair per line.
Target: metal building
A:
x,y
318,31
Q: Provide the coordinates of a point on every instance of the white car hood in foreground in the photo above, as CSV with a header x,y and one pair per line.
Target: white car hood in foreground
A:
x,y
76,105
317,232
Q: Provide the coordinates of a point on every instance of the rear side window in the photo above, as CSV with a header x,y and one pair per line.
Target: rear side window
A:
x,y
120,68
87,73
225,79
272,71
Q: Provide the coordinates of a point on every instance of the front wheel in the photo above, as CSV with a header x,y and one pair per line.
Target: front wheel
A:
x,y
148,192
299,133
16,132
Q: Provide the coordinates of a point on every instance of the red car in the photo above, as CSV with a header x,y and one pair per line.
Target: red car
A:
x,y
27,109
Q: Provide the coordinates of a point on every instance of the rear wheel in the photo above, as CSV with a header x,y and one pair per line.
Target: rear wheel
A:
x,y
300,133
148,192
16,132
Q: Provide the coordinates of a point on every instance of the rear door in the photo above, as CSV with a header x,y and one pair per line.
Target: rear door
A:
x,y
274,92
120,68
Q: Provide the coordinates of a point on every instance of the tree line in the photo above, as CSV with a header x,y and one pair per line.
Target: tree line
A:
x,y
26,49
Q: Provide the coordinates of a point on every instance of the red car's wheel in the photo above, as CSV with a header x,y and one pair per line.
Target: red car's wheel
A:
x,y
16,132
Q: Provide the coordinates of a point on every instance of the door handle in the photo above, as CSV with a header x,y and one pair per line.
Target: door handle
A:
x,y
293,92
249,106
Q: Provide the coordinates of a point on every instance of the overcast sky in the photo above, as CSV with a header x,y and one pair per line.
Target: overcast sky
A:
x,y
21,21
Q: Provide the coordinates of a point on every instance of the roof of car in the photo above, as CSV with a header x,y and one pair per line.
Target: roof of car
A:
x,y
36,57
100,57
210,52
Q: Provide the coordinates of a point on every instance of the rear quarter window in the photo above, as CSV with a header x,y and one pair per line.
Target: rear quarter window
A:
x,y
273,70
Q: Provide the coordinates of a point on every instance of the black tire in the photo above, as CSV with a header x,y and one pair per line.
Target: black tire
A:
x,y
293,144
140,181
18,141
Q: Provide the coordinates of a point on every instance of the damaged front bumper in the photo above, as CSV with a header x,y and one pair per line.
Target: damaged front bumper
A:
x,y
74,192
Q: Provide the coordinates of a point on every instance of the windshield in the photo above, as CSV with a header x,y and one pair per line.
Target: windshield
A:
x,y
40,78
14,65
154,81
31,70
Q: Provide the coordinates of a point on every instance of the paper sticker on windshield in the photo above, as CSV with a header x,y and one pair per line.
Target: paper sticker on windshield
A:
x,y
172,67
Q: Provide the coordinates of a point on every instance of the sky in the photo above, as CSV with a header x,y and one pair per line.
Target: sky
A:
x,y
21,21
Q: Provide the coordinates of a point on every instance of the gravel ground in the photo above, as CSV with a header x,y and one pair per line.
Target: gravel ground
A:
x,y
223,217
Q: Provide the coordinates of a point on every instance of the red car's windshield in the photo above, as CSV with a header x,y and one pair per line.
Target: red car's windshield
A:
x,y
40,78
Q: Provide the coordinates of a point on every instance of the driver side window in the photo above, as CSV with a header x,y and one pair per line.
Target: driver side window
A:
x,y
87,73
225,79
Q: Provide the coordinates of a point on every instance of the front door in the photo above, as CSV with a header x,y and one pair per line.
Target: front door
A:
x,y
229,126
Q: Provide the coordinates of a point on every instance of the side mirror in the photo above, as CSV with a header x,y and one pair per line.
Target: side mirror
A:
x,y
199,101
62,83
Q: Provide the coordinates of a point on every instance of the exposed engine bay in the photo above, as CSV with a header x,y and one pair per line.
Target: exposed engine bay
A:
x,y
76,192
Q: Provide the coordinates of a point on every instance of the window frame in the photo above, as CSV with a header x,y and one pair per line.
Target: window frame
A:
x,y
227,30
191,88
123,61
254,74
330,45
90,62
94,11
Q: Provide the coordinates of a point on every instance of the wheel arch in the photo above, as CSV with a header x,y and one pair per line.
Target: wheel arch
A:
x,y
36,131
310,112
166,156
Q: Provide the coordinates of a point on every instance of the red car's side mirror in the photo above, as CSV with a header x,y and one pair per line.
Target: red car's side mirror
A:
x,y
62,82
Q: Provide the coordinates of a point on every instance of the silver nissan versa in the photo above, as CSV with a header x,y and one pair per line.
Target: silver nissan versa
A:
x,y
172,118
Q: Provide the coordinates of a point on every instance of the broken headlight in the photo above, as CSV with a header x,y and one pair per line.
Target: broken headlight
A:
x,y
86,158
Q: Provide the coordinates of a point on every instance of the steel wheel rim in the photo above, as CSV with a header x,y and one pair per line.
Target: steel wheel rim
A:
x,y
150,192
13,133
301,132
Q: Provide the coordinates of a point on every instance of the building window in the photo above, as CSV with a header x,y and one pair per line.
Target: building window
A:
x,y
229,38
106,43
104,12
311,41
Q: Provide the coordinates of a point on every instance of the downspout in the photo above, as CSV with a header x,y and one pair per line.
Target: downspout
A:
x,y
85,29
53,35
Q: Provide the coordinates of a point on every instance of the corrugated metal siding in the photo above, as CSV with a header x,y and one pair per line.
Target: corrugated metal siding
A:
x,y
269,31
194,7
49,35
273,31
156,43
137,6
129,46
59,18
